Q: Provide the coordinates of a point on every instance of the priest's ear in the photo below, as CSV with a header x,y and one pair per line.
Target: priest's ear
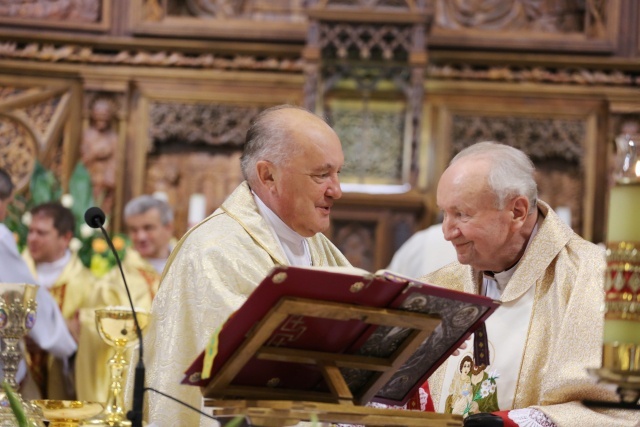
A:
x,y
519,207
266,172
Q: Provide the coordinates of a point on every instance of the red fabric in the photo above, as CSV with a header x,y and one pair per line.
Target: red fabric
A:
x,y
414,401
505,418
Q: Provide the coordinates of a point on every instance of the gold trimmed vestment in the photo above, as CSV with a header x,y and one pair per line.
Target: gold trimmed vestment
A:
x,y
214,268
565,328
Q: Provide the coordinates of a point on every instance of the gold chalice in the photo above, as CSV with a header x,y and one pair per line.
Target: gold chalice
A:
x,y
118,329
67,413
17,317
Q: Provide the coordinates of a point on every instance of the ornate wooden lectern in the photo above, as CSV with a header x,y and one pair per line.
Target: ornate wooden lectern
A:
x,y
324,353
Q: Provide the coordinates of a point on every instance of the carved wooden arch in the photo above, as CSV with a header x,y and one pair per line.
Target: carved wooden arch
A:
x,y
37,125
18,148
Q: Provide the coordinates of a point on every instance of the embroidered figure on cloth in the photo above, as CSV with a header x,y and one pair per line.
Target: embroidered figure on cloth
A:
x,y
472,390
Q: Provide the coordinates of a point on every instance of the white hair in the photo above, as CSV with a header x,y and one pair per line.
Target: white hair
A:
x,y
512,172
144,203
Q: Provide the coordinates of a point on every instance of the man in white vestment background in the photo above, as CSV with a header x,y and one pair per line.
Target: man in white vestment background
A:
x,y
426,251
530,365
291,161
50,331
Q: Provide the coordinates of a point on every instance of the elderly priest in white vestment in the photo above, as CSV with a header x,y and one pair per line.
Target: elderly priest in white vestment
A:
x,y
530,365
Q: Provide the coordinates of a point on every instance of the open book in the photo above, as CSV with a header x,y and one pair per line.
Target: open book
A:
x,y
459,313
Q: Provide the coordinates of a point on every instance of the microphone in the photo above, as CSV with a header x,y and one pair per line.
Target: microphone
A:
x,y
95,218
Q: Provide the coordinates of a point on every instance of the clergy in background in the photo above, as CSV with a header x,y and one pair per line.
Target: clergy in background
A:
x,y
50,332
149,223
59,270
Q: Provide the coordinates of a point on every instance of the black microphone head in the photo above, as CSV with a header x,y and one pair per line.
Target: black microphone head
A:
x,y
94,217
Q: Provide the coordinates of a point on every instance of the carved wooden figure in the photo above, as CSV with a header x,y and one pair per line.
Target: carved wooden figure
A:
x,y
98,150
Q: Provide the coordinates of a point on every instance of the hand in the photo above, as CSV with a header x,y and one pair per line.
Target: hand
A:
x,y
463,346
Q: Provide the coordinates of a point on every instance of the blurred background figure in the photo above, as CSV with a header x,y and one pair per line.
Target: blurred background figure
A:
x,y
50,332
59,270
149,223
424,252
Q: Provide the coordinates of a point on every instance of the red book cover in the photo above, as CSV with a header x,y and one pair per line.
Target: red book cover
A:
x,y
299,332
461,314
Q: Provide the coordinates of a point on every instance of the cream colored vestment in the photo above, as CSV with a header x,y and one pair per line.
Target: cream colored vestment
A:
x,y
215,266
565,329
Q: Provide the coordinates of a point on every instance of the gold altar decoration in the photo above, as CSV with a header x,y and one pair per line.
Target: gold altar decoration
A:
x,y
117,328
67,413
17,317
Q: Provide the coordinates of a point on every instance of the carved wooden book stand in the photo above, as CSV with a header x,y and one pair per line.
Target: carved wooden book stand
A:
x,y
267,406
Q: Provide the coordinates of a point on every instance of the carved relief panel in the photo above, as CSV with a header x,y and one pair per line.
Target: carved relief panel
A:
x,y
180,174
377,129
38,121
94,15
257,19
368,229
547,24
18,150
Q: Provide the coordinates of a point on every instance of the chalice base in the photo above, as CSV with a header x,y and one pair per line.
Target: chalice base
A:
x,y
8,419
107,419
67,413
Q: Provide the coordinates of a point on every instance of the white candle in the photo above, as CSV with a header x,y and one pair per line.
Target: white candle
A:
x,y
624,213
197,209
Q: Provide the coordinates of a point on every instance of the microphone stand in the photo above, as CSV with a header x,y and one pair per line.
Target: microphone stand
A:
x,y
95,218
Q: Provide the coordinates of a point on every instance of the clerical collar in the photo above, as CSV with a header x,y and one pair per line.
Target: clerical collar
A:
x,y
495,283
293,244
48,272
494,273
